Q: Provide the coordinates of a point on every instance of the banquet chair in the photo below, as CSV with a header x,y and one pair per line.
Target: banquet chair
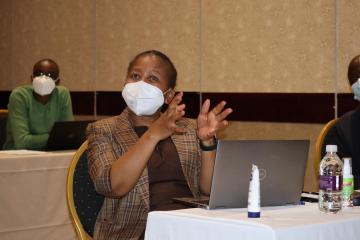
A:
x,y
83,201
320,143
3,113
3,120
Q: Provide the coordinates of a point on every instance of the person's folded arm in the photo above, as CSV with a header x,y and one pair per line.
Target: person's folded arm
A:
x,y
117,176
114,176
19,123
100,158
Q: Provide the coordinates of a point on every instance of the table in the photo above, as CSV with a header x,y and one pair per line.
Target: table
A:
x,y
290,222
33,195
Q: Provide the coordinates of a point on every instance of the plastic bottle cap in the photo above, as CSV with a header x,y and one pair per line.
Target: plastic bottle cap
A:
x,y
331,148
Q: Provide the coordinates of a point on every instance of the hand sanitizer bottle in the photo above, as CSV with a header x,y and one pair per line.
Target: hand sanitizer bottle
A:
x,y
348,184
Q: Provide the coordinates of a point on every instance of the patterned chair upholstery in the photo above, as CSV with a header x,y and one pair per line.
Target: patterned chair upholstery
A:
x,y
83,201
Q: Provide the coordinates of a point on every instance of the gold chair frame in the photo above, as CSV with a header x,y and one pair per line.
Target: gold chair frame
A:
x,y
82,234
319,144
4,112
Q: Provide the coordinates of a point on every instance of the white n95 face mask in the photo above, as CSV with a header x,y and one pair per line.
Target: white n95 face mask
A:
x,y
356,89
143,98
43,85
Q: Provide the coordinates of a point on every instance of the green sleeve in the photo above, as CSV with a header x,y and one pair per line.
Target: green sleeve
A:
x,y
19,124
66,109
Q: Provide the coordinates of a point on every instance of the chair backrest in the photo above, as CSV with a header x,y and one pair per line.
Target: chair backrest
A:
x,y
320,142
3,113
3,120
83,201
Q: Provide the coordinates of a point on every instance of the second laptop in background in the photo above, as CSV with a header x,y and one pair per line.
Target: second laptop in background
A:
x,y
67,135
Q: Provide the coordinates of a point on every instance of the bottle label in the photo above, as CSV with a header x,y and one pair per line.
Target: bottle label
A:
x,y
348,187
330,183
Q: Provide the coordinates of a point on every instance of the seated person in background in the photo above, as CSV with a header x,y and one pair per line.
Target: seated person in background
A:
x,y
143,158
346,132
33,109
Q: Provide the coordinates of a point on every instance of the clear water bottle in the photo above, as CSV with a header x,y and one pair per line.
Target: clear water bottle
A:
x,y
330,197
348,184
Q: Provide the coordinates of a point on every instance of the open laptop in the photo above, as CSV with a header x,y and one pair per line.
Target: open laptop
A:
x,y
281,166
67,135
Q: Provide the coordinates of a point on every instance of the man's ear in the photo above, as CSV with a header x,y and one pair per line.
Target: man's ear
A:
x,y
169,95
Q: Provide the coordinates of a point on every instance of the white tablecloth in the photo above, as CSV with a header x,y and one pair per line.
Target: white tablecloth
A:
x,y
293,222
33,196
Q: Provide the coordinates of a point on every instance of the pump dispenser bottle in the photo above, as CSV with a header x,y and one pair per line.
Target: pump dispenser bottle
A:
x,y
348,184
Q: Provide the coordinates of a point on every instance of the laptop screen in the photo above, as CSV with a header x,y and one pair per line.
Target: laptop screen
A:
x,y
281,166
67,135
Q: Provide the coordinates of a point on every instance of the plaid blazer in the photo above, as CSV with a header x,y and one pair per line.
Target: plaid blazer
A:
x,y
125,217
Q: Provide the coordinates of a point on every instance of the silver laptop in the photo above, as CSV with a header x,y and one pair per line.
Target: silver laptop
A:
x,y
281,166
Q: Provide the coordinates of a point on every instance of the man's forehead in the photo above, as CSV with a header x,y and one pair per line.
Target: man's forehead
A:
x,y
46,66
